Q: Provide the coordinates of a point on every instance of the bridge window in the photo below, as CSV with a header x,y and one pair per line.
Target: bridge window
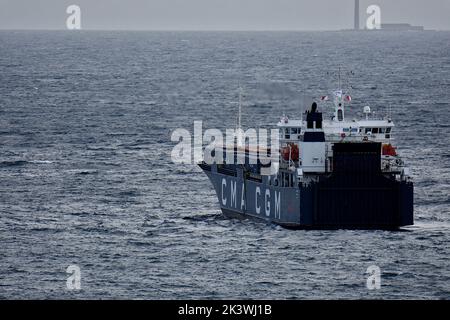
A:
x,y
374,130
388,130
286,133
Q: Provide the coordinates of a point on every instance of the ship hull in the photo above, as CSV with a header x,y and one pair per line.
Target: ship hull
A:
x,y
332,202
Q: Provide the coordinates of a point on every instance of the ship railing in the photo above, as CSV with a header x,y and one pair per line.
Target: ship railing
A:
x,y
392,165
358,137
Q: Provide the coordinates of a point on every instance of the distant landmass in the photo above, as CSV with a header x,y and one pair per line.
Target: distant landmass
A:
x,y
401,27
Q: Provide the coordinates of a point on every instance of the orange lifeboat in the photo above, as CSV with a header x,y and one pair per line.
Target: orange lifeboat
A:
x,y
290,152
388,150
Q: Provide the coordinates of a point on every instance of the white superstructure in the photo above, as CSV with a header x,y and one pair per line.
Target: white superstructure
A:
x,y
316,156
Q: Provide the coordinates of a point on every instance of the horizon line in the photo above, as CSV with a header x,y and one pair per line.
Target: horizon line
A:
x,y
213,30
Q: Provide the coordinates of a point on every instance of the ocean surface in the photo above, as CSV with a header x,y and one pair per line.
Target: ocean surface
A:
x,y
86,176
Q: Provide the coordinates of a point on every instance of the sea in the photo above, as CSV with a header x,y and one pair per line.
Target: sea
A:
x,y
87,181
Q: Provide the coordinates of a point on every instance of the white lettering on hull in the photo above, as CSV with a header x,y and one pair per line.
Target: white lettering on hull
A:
x,y
243,206
233,193
267,200
224,184
257,194
277,205
268,196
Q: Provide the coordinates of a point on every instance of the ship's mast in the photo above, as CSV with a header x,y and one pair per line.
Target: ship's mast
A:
x,y
239,126
240,108
339,78
339,98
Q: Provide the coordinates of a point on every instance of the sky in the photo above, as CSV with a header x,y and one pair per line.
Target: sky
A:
x,y
218,14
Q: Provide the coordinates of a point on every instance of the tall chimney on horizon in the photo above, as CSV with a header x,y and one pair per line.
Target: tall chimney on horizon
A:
x,y
356,27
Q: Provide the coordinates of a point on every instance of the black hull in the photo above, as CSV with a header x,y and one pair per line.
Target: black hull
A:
x,y
356,195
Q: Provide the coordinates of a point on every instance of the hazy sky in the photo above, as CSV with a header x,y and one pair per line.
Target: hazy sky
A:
x,y
218,14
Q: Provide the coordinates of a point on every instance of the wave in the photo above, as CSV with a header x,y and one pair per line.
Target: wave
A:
x,y
17,163
40,161
13,163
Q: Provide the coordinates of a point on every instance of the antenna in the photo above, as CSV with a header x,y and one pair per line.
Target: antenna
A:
x,y
348,82
339,77
240,107
339,74
239,126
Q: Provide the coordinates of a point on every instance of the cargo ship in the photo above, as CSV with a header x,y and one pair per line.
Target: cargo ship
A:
x,y
332,173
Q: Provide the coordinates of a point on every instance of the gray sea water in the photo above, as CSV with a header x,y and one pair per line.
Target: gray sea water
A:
x,y
86,176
